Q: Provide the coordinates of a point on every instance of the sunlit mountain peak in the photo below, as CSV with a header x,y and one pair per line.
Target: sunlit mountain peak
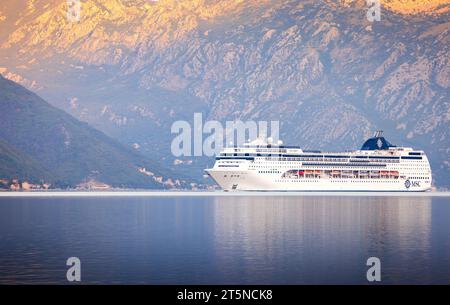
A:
x,y
417,6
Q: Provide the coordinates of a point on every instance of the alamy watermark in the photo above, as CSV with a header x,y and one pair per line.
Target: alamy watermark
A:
x,y
374,272
73,10
210,137
74,272
374,11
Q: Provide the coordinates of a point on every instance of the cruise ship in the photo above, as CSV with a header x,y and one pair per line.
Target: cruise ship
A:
x,y
377,166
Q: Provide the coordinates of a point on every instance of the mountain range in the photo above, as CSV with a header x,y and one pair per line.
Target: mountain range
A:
x,y
130,68
42,144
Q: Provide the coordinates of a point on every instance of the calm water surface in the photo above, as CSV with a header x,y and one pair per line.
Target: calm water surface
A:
x,y
225,240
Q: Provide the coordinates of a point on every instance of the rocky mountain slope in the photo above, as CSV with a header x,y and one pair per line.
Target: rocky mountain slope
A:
x,y
43,144
330,76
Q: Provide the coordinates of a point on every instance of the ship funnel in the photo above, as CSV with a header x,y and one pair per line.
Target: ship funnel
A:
x,y
378,142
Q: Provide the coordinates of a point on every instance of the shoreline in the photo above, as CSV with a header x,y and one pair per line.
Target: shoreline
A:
x,y
213,194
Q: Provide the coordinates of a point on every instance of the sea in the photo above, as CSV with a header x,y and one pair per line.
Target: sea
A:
x,y
219,238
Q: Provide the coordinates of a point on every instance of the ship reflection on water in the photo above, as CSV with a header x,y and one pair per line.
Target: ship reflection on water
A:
x,y
322,239
226,240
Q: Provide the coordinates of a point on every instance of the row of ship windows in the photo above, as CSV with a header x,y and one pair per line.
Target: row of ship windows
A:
x,y
336,177
343,166
278,157
353,173
307,167
338,174
342,180
234,161
344,159
328,160
414,165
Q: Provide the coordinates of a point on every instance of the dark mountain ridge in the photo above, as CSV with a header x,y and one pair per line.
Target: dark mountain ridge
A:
x,y
42,143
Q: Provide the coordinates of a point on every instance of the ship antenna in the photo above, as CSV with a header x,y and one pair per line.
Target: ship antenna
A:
x,y
378,133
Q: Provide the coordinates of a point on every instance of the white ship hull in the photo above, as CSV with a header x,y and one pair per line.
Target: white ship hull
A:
x,y
250,181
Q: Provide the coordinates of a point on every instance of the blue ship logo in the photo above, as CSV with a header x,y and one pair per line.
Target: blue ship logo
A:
x,y
407,184
379,143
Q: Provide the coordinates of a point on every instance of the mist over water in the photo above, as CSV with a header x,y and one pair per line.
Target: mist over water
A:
x,y
225,240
